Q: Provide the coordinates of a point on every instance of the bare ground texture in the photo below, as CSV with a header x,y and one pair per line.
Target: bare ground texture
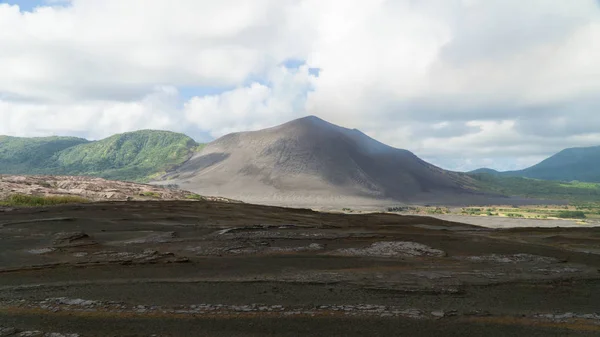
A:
x,y
177,268
90,189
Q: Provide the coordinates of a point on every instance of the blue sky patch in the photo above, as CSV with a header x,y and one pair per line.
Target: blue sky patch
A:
x,y
30,5
314,71
293,63
24,5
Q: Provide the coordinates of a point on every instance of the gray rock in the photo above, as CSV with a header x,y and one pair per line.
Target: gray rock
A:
x,y
392,249
438,314
72,239
7,331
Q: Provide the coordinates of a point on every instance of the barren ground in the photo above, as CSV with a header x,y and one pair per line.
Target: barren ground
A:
x,y
203,268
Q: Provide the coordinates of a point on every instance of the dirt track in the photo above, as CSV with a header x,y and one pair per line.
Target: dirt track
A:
x,y
207,268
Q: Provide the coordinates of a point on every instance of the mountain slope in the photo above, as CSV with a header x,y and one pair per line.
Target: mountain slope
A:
x,y
574,164
582,164
127,156
309,159
135,156
20,155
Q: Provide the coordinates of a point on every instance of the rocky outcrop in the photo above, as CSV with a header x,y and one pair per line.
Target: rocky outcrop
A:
x,y
72,239
392,249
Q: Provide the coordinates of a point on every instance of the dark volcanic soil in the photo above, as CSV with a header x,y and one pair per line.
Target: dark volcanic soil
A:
x,y
217,269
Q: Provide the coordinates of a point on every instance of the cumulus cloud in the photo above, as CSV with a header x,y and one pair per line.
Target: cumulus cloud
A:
x,y
255,106
121,49
91,119
463,83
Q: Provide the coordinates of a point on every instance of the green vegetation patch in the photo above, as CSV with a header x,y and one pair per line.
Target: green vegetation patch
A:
x,y
538,189
579,184
20,155
571,215
419,210
37,201
133,156
195,197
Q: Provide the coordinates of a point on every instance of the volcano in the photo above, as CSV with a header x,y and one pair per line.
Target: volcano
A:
x,y
311,161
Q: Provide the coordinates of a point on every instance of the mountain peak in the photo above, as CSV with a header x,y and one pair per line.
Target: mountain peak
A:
x,y
310,159
485,170
311,120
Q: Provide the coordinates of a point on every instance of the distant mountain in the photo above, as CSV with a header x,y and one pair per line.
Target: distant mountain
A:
x,y
31,155
134,156
581,164
485,170
308,160
574,164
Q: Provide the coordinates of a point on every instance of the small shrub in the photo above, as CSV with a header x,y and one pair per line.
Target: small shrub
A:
x,y
571,215
401,209
437,210
194,197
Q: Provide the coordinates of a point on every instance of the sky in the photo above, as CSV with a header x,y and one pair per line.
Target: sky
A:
x,y
461,83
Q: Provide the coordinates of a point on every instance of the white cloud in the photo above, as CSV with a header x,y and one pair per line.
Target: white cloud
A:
x,y
459,82
94,49
253,107
91,119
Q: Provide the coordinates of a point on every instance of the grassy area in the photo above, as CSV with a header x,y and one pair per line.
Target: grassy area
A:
x,y
579,184
571,215
575,212
582,212
36,200
575,191
195,197
151,194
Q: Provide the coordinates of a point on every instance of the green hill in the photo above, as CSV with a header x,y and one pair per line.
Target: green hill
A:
x,y
484,170
20,155
135,156
574,164
581,164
